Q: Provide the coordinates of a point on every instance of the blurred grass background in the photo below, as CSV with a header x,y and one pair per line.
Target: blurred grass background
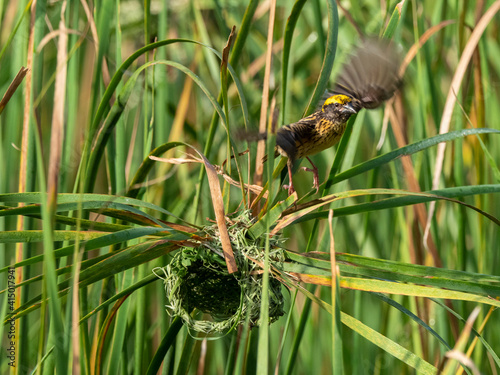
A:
x,y
66,91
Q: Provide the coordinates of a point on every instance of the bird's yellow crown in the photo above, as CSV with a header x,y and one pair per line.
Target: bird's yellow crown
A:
x,y
341,99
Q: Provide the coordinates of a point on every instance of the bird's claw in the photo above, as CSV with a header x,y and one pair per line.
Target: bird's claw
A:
x,y
290,188
315,177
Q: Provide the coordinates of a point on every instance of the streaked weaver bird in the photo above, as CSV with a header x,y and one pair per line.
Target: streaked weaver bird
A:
x,y
369,78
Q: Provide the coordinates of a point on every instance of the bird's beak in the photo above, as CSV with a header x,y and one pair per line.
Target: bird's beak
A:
x,y
348,108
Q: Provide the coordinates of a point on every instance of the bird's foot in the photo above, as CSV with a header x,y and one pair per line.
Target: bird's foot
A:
x,y
314,170
290,188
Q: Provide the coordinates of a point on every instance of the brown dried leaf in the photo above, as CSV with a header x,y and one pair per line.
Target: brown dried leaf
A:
x,y
225,50
218,203
13,87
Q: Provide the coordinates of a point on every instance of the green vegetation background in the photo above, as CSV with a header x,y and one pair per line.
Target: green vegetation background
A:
x,y
108,117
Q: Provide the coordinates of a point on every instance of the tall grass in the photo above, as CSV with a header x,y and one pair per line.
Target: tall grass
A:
x,y
122,143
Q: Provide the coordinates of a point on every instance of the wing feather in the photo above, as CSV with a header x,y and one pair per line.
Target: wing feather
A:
x,y
290,137
370,76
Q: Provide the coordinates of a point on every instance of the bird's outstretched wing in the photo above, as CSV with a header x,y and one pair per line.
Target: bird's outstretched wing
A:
x,y
370,76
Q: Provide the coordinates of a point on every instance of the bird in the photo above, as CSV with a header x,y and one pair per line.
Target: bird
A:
x,y
368,78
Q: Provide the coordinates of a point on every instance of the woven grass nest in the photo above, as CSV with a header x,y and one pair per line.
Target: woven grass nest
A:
x,y
197,280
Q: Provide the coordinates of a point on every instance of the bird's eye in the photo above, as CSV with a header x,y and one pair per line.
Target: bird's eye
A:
x,y
337,105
